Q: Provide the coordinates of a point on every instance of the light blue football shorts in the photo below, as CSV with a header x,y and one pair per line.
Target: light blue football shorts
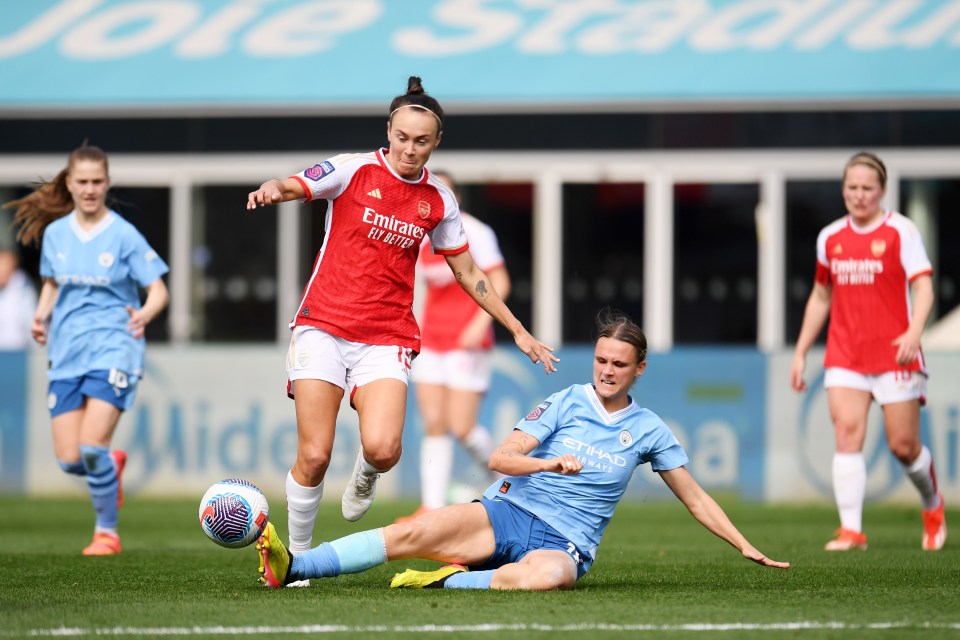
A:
x,y
517,532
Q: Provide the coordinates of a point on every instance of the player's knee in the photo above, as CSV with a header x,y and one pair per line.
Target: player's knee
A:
x,y
404,538
905,451
383,455
434,426
312,463
551,577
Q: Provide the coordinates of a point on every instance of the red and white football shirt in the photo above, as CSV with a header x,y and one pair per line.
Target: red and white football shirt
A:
x,y
361,288
448,308
869,271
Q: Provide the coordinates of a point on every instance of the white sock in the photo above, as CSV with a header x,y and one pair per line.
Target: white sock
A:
x,y
849,488
921,474
479,444
302,505
368,469
436,467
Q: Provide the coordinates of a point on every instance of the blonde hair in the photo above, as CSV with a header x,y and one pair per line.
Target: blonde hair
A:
x,y
50,200
868,159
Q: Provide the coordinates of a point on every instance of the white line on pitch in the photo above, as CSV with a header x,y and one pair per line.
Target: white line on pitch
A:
x,y
478,628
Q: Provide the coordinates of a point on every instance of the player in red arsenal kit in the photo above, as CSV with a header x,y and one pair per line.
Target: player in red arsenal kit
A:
x,y
868,263
354,329
453,372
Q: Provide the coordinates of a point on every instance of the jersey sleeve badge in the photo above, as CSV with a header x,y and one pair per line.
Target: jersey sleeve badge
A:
x,y
536,413
317,171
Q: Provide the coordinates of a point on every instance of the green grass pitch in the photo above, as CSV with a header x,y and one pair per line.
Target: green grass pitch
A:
x,y
659,574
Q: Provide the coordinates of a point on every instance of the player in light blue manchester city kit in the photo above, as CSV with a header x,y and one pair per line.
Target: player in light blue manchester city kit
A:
x,y
567,466
93,263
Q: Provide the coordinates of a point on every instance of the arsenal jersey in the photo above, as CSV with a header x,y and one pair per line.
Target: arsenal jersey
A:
x,y
869,271
361,287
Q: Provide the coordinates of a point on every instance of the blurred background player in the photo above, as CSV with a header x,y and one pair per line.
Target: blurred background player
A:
x,y
354,330
18,297
452,373
538,528
868,264
93,263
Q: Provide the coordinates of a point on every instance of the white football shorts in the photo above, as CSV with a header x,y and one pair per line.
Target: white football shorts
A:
x,y
315,354
887,388
461,369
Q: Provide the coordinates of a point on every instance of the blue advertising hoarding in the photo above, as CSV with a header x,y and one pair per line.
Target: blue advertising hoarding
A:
x,y
13,420
209,412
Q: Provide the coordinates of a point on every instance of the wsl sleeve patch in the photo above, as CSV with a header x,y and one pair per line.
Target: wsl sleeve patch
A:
x,y
536,413
317,171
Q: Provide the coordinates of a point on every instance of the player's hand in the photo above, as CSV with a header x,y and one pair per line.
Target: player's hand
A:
x,y
39,330
567,464
752,554
137,324
538,352
796,373
908,348
268,193
473,335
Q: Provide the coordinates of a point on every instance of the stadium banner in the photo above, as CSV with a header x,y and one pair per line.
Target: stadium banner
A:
x,y
67,54
204,413
13,420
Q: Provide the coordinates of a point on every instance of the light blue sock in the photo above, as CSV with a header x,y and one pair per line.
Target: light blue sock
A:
x,y
470,580
102,484
360,551
75,468
351,554
319,562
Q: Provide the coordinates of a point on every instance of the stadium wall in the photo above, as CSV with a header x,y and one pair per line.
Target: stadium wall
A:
x,y
208,412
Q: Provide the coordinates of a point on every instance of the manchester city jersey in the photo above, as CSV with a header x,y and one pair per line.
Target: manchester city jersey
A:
x,y
98,273
610,445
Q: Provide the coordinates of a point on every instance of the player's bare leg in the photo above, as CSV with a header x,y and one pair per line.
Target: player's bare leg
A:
x,y
849,409
317,404
902,422
382,407
541,570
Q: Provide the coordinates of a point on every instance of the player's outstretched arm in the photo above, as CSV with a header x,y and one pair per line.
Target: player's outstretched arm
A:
x,y
275,191
477,285
706,510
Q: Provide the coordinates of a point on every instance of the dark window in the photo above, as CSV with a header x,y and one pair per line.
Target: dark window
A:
x,y
508,209
602,255
810,207
939,199
148,209
715,263
235,267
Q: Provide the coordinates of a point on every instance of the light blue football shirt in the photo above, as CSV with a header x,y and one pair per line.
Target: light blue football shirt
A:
x,y
610,446
98,273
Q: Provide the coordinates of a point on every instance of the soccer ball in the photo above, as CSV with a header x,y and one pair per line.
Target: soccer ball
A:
x,y
233,513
